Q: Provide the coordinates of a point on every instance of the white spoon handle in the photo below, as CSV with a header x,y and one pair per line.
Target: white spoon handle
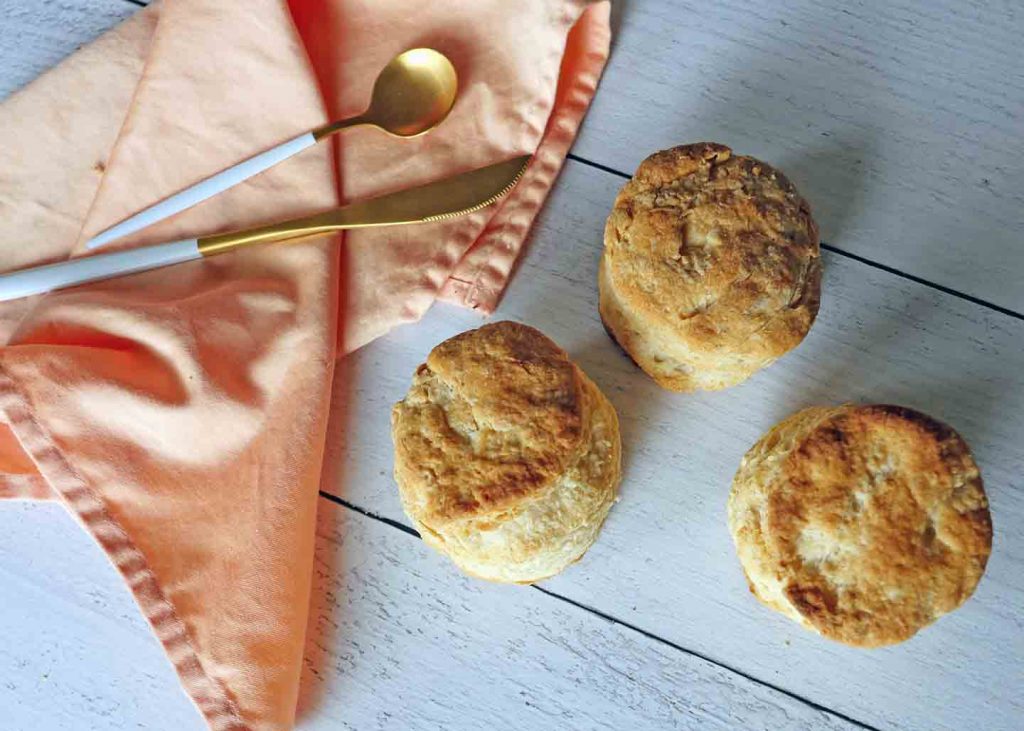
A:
x,y
203,189
92,268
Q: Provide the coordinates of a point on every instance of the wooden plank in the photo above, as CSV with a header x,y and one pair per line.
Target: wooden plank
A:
x,y
76,652
36,35
900,120
665,561
396,641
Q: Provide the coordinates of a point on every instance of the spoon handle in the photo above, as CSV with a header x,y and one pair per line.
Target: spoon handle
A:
x,y
204,189
331,127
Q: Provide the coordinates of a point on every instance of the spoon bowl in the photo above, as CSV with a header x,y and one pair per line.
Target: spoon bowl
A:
x,y
412,95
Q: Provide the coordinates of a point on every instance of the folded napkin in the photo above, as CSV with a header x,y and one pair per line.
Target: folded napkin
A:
x,y
180,414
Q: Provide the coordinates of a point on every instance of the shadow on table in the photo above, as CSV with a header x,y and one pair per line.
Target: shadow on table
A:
x,y
322,625
901,324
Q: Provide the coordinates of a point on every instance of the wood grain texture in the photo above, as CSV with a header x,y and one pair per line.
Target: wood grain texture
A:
x,y
396,641
35,35
75,653
665,560
900,120
401,642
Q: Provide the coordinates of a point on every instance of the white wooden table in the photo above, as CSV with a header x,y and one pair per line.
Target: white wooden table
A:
x,y
901,121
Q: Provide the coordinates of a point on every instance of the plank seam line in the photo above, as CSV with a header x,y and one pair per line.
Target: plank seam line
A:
x,y
842,252
613,620
369,514
919,280
706,658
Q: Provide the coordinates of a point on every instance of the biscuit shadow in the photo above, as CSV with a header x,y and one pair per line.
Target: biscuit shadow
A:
x,y
641,405
911,346
872,337
759,103
889,352
972,397
830,175
565,308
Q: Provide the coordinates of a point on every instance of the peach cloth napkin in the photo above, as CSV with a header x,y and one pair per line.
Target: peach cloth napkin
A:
x,y
180,414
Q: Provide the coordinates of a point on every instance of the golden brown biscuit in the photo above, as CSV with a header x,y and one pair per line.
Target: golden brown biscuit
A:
x,y
507,456
711,267
862,523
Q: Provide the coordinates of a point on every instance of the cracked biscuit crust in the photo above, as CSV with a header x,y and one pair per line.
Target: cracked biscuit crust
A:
x,y
507,456
862,523
711,267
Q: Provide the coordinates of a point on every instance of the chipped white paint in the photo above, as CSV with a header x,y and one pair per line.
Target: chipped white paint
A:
x,y
36,34
396,641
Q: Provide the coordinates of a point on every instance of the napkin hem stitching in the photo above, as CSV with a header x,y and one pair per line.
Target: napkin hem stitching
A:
x,y
508,228
210,695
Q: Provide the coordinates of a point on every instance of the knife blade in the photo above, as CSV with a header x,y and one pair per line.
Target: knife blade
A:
x,y
454,196
457,195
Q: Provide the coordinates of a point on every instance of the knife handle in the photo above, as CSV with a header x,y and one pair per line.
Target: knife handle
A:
x,y
93,268
204,189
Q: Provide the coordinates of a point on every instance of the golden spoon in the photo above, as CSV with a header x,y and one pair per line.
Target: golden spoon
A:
x,y
411,96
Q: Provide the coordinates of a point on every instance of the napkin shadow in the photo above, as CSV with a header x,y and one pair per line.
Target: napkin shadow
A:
x,y
619,10
322,626
322,623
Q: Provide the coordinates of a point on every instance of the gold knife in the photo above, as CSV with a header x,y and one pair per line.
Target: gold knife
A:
x,y
448,198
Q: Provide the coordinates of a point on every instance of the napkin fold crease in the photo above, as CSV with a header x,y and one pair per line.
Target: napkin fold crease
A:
x,y
180,414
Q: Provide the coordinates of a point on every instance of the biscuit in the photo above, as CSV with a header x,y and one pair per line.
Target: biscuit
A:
x,y
507,456
711,267
862,523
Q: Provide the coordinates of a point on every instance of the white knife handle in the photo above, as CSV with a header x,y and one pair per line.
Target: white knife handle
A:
x,y
92,268
203,189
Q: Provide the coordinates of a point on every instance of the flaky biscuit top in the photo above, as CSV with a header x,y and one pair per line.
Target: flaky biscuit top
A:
x,y
864,522
493,417
719,248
